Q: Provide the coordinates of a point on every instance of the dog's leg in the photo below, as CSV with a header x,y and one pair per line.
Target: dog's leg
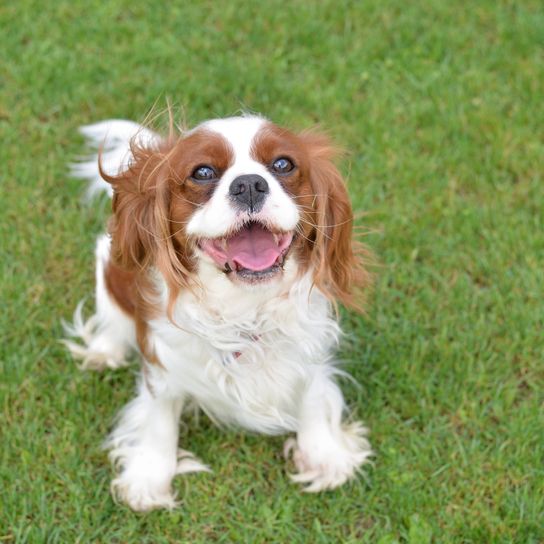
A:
x,y
326,451
144,448
107,336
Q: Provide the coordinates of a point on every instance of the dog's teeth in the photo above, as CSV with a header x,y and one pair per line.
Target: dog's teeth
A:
x,y
224,244
277,239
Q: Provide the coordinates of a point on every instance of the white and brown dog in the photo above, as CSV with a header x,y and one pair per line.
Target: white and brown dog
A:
x,y
227,251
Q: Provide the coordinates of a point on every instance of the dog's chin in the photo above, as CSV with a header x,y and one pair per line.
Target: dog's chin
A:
x,y
252,277
252,254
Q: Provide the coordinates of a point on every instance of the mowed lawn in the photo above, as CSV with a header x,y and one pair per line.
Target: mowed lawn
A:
x,y
440,106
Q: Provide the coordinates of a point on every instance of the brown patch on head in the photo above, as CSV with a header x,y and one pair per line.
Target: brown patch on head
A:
x,y
324,236
155,197
201,148
273,142
153,201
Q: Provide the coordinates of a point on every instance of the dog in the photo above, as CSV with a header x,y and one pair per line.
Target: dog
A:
x,y
228,249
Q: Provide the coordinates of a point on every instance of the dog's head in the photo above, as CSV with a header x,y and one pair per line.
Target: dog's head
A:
x,y
243,197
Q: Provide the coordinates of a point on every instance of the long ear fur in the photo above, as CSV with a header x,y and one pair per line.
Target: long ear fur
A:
x,y
140,228
337,258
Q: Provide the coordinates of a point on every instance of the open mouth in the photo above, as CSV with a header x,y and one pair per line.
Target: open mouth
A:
x,y
254,253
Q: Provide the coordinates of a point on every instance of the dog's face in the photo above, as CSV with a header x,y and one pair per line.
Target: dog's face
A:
x,y
242,195
239,174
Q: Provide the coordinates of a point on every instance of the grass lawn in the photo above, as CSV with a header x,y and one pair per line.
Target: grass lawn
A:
x,y
441,108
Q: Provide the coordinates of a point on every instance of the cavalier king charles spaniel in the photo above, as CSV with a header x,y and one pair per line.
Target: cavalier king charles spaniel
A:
x,y
228,249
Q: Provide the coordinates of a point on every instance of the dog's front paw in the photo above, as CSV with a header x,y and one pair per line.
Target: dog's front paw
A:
x,y
141,495
145,478
325,460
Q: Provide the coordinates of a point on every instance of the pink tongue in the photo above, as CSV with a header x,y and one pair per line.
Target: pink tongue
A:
x,y
253,248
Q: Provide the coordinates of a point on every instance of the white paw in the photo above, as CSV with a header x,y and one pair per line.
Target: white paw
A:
x,y
145,481
142,495
325,461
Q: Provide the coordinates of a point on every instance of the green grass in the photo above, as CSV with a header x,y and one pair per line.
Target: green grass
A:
x,y
441,107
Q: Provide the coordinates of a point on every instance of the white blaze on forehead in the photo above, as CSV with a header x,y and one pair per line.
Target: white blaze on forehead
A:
x,y
218,216
238,131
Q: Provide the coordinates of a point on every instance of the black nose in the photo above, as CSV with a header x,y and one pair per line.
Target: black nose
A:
x,y
249,192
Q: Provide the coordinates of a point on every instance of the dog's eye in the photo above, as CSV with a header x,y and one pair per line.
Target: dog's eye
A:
x,y
283,165
204,174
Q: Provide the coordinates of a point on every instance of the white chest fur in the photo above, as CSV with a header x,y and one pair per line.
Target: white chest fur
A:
x,y
244,359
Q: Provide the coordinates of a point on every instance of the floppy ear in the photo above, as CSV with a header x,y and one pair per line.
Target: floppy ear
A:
x,y
336,257
140,227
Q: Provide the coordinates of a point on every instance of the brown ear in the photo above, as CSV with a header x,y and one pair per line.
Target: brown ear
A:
x,y
336,257
140,227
